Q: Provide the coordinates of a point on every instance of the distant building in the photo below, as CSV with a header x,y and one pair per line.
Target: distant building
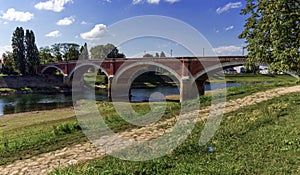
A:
x,y
240,69
230,71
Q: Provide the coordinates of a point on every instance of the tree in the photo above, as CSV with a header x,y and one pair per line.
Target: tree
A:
x,y
105,51
162,54
72,54
84,53
32,53
272,33
148,55
55,49
8,66
19,50
45,55
115,54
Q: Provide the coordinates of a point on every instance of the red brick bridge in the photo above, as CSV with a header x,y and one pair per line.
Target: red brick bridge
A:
x,y
183,68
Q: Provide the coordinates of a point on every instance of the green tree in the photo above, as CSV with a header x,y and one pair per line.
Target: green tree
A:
x,y
84,53
45,55
162,54
56,52
105,51
8,66
272,33
32,53
148,55
19,50
72,53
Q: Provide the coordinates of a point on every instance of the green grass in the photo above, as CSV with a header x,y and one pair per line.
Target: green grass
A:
x,y
259,78
28,134
260,139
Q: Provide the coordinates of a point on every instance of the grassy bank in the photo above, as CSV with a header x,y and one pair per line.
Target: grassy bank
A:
x,y
259,78
260,139
27,134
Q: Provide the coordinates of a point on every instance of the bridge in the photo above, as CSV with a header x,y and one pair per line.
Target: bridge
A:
x,y
183,68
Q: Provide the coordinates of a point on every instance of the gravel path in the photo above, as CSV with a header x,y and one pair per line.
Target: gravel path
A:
x,y
44,163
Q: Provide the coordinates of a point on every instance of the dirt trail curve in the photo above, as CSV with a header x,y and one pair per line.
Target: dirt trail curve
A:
x,y
46,162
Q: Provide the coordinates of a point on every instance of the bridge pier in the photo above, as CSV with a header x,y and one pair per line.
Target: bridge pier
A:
x,y
200,85
109,83
186,90
67,81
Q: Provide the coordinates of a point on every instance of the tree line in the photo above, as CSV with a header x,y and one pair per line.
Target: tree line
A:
x,y
26,57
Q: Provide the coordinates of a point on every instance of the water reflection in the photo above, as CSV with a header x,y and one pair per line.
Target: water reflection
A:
x,y
34,102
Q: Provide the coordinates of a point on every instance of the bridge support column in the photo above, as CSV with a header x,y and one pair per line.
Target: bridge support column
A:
x,y
200,85
186,91
67,81
109,83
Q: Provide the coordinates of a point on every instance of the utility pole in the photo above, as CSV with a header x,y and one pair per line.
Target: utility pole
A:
x,y
171,52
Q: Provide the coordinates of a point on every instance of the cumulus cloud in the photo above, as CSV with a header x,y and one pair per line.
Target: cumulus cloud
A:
x,y
98,32
66,21
54,34
228,50
153,1
13,15
53,5
134,2
229,6
172,1
229,28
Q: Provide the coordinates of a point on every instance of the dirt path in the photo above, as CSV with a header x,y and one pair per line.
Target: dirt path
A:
x,y
44,163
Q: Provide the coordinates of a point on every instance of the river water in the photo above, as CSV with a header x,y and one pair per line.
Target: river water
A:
x,y
34,102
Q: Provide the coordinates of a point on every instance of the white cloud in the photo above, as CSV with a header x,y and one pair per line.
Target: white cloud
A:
x,y
172,1
134,2
98,32
229,6
229,28
228,50
153,1
66,21
54,5
13,15
54,34
84,23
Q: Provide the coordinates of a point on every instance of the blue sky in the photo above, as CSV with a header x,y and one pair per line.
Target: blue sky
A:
x,y
80,21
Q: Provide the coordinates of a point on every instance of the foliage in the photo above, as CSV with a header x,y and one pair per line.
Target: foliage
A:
x,y
272,33
105,51
157,55
19,50
32,53
8,63
46,55
25,53
84,53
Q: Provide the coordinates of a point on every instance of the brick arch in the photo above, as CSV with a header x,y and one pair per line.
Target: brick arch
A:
x,y
87,64
202,74
148,63
53,67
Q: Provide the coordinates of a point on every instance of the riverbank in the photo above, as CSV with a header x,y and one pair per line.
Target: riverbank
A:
x,y
29,143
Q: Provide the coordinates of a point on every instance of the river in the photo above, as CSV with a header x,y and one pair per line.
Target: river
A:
x,y
34,102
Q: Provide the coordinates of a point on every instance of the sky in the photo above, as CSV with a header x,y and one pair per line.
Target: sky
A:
x,y
94,22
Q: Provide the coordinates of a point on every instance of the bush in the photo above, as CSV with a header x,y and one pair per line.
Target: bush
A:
x,y
66,128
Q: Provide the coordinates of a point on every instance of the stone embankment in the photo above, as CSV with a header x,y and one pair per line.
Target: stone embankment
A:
x,y
26,84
